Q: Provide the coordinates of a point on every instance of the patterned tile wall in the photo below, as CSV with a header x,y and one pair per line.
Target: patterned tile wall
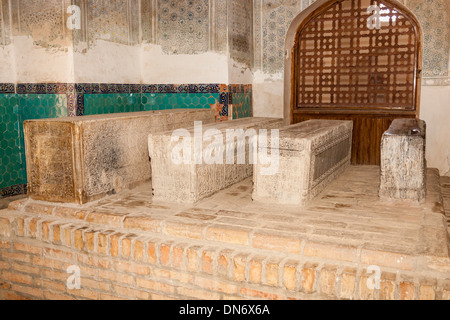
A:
x,y
44,20
183,26
240,31
434,16
109,20
194,26
14,110
5,25
241,100
276,18
111,103
179,26
147,21
219,27
11,165
168,101
272,18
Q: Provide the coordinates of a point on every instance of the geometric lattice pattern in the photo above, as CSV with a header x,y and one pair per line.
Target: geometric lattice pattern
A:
x,y
183,26
168,101
111,103
434,17
11,168
342,63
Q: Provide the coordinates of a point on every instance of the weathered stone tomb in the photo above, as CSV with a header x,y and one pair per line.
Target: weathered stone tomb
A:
x,y
81,159
403,162
181,169
311,155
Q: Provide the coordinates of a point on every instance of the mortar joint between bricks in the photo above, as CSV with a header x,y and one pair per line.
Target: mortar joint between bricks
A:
x,y
264,270
133,248
40,231
213,252
162,225
26,226
129,238
205,231
158,243
298,277
183,263
16,225
302,247
96,235
51,232
361,282
338,283
359,272
248,266
147,242
231,267
251,236
281,271
52,213
229,271
281,265
119,243
358,254
318,279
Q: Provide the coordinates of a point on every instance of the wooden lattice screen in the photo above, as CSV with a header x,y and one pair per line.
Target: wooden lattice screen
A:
x,y
342,64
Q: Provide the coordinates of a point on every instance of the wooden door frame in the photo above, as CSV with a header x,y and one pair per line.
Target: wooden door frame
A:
x,y
291,44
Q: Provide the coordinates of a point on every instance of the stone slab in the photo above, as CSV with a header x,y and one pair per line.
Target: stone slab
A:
x,y
312,154
82,159
192,180
403,162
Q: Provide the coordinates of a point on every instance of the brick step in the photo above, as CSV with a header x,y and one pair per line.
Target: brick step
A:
x,y
117,264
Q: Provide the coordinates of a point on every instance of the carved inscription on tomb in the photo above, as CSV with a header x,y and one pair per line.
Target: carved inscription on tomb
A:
x,y
49,168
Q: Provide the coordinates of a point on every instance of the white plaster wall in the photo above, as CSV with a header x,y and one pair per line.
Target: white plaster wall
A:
x,y
35,64
108,62
159,68
239,73
268,95
435,111
7,65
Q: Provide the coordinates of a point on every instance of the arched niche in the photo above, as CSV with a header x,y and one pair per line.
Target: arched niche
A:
x,y
337,66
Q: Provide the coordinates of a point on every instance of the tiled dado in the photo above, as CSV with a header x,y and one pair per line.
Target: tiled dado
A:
x,y
97,98
20,102
14,110
76,92
240,99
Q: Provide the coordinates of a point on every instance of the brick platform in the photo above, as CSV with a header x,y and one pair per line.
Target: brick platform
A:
x,y
227,247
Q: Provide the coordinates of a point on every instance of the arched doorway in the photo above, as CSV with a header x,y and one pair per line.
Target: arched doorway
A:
x,y
345,61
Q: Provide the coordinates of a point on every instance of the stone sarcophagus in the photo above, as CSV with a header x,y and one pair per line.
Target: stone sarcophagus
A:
x,y
195,163
82,159
311,155
403,162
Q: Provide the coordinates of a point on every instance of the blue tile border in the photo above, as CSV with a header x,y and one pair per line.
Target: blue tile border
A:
x,y
80,104
12,191
104,88
75,91
7,88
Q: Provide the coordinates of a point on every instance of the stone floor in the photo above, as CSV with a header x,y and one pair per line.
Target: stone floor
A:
x,y
445,185
6,201
347,214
